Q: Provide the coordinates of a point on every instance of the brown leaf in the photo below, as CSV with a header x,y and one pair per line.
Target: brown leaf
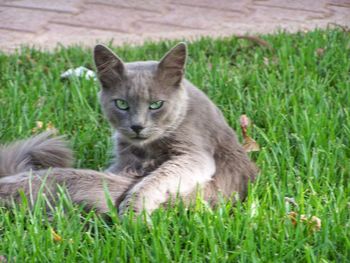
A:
x,y
314,223
293,217
320,52
249,144
38,126
56,237
50,127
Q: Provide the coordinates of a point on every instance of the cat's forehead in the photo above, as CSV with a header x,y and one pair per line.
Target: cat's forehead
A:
x,y
141,72
140,80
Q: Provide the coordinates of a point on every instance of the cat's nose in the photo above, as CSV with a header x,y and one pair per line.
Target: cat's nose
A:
x,y
136,128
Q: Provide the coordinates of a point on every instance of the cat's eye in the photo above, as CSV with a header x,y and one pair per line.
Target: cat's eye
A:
x,y
155,105
121,104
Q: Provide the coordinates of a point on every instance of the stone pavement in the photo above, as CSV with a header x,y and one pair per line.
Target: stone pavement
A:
x,y
45,23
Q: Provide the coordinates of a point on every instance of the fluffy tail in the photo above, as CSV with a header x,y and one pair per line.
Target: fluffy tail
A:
x,y
39,152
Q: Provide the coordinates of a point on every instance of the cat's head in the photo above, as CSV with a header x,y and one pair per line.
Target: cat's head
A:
x,y
142,100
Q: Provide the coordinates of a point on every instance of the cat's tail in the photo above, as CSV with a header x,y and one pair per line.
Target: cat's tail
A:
x,y
39,152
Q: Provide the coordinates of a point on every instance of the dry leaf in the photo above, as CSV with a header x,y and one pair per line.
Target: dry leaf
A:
x,y
320,52
3,259
38,126
50,127
266,61
316,223
256,40
249,144
293,217
56,237
313,223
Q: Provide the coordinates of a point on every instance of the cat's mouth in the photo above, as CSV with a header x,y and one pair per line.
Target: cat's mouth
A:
x,y
139,138
136,138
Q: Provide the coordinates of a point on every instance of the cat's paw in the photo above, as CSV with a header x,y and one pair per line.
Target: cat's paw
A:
x,y
138,200
129,203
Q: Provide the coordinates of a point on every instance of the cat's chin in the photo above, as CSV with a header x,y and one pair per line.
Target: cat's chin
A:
x,y
142,141
139,139
139,142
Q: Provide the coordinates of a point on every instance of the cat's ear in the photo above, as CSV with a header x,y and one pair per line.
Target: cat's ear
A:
x,y
171,67
110,68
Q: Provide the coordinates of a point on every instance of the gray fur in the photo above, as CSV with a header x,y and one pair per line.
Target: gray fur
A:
x,y
39,152
85,187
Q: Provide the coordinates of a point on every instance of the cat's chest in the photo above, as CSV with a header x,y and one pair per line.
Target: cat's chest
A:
x,y
150,154
143,160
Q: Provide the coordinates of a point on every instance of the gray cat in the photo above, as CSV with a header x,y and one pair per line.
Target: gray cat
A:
x,y
170,140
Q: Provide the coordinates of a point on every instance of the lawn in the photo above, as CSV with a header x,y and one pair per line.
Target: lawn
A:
x,y
296,91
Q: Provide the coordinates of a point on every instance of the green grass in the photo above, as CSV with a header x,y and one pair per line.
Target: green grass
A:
x,y
298,97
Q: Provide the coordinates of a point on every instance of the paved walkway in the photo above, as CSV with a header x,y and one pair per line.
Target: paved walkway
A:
x,y
48,22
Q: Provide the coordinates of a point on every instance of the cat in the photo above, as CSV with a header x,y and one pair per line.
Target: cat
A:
x,y
170,140
168,132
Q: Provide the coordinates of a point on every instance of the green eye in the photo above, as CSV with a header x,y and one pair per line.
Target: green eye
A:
x,y
156,105
121,104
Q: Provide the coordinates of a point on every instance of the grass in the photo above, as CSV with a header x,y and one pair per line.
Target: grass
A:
x,y
298,96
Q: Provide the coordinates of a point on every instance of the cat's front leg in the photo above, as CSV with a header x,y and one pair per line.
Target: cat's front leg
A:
x,y
180,175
